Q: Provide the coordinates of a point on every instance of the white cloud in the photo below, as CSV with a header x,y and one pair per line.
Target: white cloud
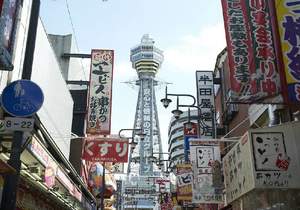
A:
x,y
197,51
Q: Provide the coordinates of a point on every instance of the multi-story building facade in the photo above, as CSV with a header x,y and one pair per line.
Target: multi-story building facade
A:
x,y
237,119
176,136
47,178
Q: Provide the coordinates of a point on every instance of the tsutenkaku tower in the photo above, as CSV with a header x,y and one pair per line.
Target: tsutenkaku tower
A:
x,y
146,60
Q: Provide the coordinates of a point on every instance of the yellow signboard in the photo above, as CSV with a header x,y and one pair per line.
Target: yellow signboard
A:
x,y
288,14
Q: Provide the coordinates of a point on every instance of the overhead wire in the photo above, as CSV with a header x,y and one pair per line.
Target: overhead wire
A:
x,y
75,37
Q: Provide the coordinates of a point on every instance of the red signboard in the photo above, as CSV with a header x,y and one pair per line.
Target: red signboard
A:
x,y
191,130
252,59
106,149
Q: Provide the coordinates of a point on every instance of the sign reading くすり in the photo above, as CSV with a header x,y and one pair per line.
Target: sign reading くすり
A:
x,y
106,149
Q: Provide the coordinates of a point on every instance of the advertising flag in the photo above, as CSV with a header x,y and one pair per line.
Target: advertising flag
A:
x,y
288,15
254,74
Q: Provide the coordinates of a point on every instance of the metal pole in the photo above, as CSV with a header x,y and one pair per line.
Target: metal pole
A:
x,y
30,44
103,187
12,180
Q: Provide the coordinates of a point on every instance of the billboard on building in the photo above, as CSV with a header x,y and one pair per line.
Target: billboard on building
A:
x,y
100,92
265,158
238,170
206,101
288,25
184,182
105,149
254,74
207,187
8,16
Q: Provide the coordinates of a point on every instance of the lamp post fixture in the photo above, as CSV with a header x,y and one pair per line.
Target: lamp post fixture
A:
x,y
135,132
177,112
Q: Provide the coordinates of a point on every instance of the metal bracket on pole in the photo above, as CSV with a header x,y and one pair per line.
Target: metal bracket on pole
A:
x,y
75,55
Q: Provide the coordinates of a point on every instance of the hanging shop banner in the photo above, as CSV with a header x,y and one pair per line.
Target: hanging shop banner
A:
x,y
206,164
100,92
288,25
8,16
189,132
95,176
206,101
106,149
265,158
254,74
184,182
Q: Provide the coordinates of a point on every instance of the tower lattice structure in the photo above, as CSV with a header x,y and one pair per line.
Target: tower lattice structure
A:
x,y
146,60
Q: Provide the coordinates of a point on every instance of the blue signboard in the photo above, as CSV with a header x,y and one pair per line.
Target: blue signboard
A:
x,y
190,131
22,98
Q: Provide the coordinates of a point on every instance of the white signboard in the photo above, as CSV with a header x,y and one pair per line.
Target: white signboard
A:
x,y
275,154
100,92
19,124
206,101
204,153
238,170
263,158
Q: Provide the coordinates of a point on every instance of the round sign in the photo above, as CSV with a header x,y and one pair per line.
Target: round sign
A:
x,y
22,98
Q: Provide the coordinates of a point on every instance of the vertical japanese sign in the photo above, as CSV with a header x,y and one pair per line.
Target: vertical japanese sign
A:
x,y
251,53
184,182
205,159
100,92
106,150
8,15
238,170
147,117
119,196
189,133
206,101
288,14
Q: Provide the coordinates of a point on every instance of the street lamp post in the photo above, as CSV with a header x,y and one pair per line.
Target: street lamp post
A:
x,y
135,132
177,112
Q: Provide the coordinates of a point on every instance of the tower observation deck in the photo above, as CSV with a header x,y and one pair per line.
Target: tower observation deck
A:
x,y
146,60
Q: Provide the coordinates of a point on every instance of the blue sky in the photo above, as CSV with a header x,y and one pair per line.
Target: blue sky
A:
x,y
190,32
